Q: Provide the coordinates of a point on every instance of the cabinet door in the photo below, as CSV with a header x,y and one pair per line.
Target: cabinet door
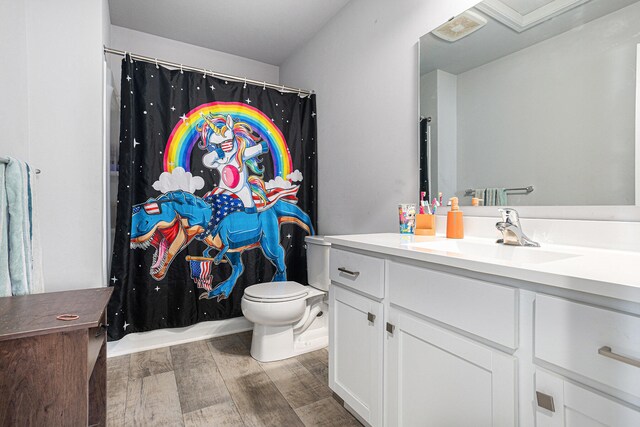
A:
x,y
435,377
575,406
355,352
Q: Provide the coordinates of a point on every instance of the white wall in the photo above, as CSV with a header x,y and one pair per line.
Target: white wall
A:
x,y
51,116
14,130
447,134
188,54
64,95
559,115
363,65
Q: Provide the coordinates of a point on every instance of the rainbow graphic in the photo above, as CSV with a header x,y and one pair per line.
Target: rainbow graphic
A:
x,y
185,135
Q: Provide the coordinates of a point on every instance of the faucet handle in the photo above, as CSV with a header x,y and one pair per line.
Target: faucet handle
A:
x,y
510,216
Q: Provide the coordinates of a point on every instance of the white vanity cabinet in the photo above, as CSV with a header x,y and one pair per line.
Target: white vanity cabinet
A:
x,y
595,343
430,372
356,333
592,344
414,343
563,403
435,377
437,372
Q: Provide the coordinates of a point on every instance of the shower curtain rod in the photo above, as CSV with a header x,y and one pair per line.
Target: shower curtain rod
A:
x,y
281,88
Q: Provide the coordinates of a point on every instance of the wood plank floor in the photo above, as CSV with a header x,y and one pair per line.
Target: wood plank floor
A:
x,y
217,383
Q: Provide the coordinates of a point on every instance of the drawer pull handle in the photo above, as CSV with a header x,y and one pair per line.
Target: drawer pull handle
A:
x,y
545,401
371,317
390,328
349,272
607,352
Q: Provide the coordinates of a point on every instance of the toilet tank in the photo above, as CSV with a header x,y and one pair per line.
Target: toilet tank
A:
x,y
318,262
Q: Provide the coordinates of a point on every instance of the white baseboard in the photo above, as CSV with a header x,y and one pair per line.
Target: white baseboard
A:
x,y
141,341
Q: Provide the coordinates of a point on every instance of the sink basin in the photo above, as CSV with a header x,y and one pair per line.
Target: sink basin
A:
x,y
493,251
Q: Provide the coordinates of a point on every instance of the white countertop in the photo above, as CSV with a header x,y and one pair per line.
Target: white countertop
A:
x,y
603,272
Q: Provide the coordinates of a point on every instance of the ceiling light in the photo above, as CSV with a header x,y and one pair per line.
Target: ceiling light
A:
x,y
460,26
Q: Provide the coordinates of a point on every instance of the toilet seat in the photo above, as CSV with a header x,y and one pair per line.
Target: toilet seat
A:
x,y
272,292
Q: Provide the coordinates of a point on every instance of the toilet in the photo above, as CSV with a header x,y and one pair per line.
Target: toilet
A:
x,y
290,318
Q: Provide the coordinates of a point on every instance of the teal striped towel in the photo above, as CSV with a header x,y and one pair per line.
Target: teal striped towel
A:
x,y
20,262
495,197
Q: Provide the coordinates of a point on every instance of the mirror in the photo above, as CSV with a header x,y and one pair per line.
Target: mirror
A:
x,y
532,103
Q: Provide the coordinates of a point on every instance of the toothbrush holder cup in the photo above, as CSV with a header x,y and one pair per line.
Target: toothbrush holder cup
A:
x,y
425,225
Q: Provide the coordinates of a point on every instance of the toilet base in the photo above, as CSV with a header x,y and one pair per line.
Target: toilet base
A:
x,y
271,343
311,340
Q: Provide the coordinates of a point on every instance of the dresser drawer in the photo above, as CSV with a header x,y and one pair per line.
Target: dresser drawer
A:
x,y
589,341
480,308
360,272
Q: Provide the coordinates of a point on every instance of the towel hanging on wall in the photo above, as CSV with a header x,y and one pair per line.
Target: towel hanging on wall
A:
x,y
20,259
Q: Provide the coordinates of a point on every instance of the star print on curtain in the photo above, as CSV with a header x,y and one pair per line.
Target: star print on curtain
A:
x,y
216,192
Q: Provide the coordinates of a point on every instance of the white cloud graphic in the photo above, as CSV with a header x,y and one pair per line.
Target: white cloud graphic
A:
x,y
295,176
178,180
278,182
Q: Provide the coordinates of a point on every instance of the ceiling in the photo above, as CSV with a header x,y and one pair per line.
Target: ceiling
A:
x,y
496,39
266,30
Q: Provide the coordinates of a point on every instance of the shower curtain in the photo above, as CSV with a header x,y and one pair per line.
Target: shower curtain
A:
x,y
425,184
217,190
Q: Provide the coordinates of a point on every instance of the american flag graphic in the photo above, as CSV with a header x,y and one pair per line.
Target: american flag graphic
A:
x,y
273,195
227,145
201,273
152,208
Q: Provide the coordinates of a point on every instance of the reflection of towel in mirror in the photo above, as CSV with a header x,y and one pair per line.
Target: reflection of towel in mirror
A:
x,y
20,265
479,193
495,197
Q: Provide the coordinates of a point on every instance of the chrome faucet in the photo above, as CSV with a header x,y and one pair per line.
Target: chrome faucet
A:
x,y
511,231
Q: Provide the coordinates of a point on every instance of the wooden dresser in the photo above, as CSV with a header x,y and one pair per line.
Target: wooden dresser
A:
x,y
53,372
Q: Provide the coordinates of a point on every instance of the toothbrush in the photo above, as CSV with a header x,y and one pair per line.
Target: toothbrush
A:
x,y
436,204
440,197
422,195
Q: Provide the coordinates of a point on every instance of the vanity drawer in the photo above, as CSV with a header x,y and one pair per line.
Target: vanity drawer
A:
x,y
480,308
588,341
360,272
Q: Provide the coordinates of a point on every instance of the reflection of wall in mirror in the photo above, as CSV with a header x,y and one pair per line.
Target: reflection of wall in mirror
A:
x,y
637,179
573,137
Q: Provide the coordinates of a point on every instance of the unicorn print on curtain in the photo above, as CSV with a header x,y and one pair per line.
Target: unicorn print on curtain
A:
x,y
216,193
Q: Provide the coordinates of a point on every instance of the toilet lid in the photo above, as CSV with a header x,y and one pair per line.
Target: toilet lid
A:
x,y
276,291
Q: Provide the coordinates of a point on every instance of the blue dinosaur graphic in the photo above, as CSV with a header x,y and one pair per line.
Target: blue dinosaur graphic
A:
x,y
172,221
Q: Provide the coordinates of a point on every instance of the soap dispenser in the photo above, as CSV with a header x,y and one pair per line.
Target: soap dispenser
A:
x,y
455,225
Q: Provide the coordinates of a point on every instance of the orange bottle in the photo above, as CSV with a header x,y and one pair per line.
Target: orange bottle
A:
x,y
455,224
